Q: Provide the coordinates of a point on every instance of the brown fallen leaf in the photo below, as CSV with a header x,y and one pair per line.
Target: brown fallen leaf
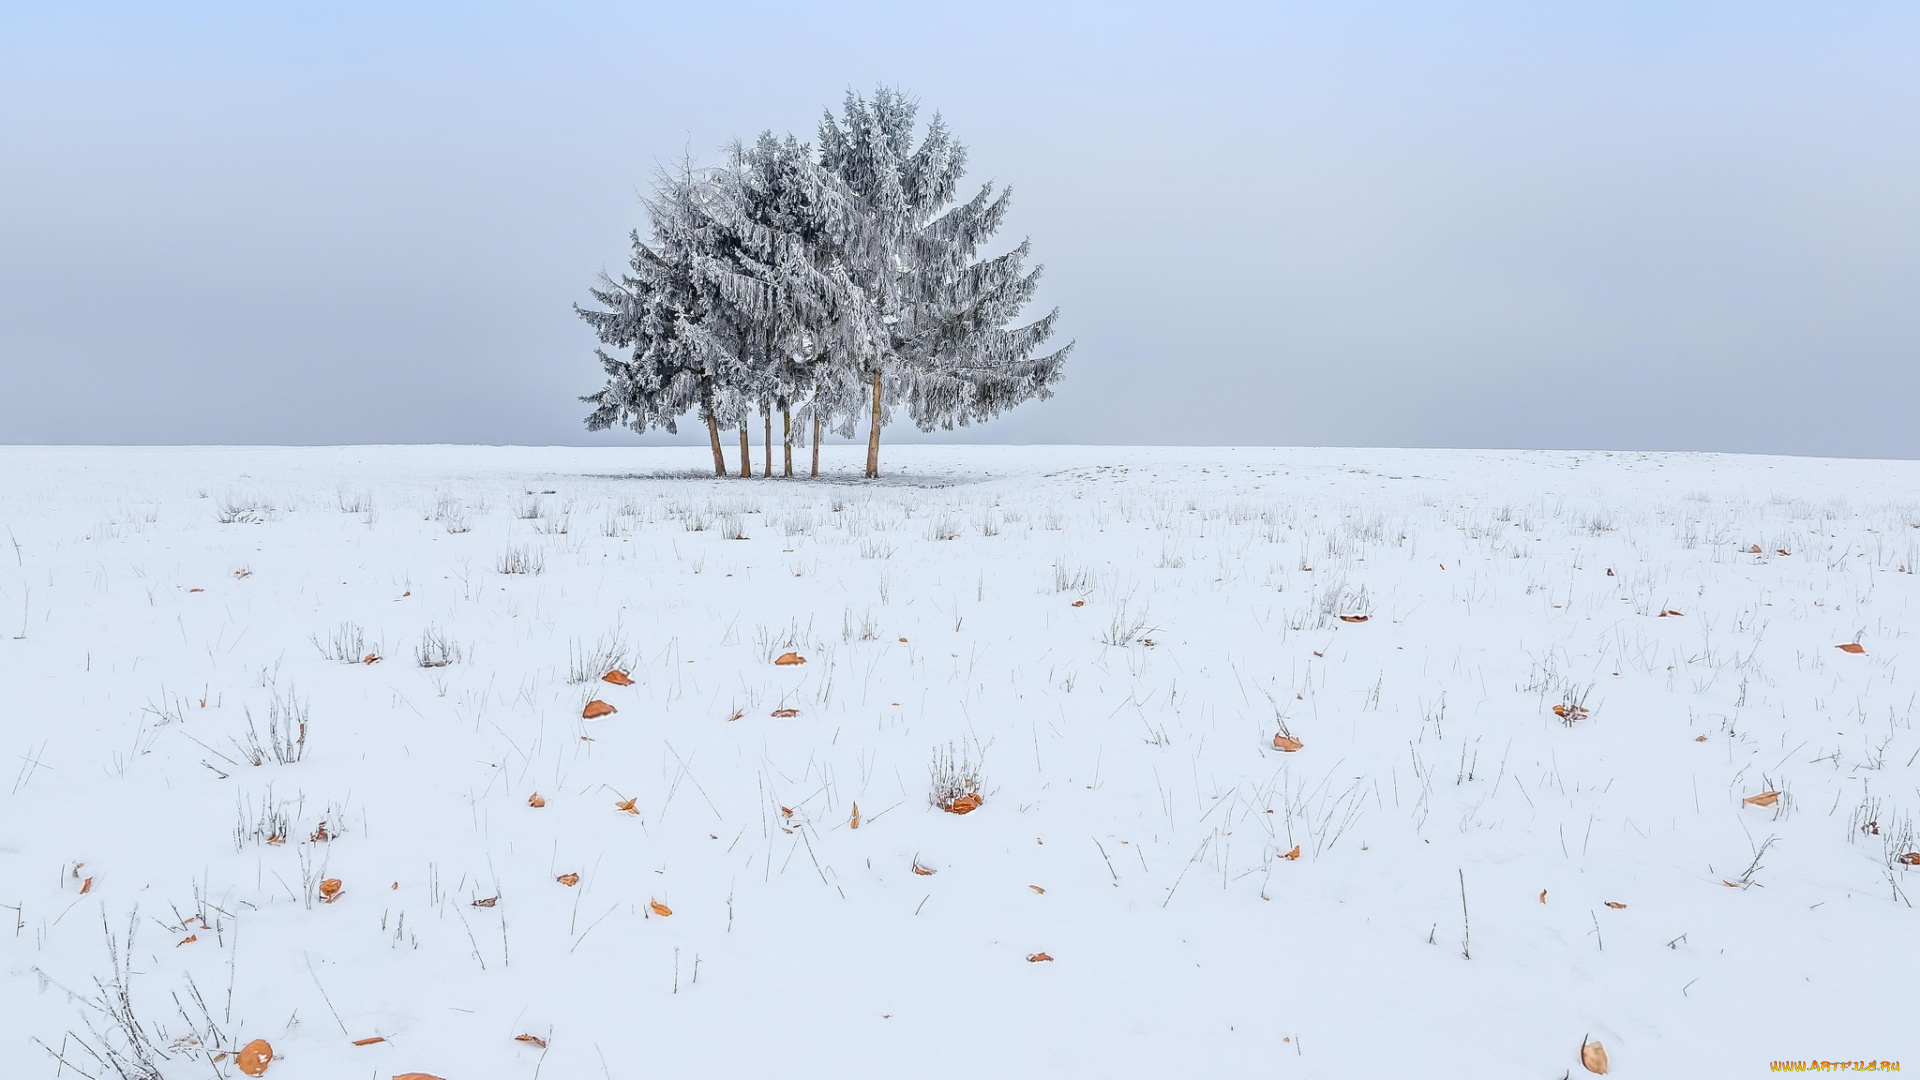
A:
x,y
1593,1056
1294,854
330,890
569,880
1755,549
1353,618
536,800
1765,798
1570,713
596,709
735,716
86,887
1543,896
855,823
415,1076
629,805
370,1040
785,714
1853,647
1076,603
617,678
1782,552
1038,889
1287,744
1615,904
254,1057
188,940
786,811
921,870
1699,738
965,804
659,908
196,590
1035,958
1669,613
487,901
534,1039
1911,858
788,659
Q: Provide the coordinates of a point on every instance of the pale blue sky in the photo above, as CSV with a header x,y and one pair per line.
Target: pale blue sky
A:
x,y
1690,226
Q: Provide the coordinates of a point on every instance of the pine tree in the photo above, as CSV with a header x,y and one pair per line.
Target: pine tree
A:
x,y
832,288
931,329
661,314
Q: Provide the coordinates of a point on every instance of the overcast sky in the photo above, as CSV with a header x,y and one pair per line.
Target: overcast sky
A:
x,y
1660,226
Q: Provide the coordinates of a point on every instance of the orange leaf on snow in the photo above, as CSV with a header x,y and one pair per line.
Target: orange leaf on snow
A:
x,y
254,1057
1294,854
628,805
86,887
415,1076
330,890
788,659
534,1039
617,678
1853,647
370,1040
1911,858
1765,798
1353,618
1699,738
1287,743
1038,889
536,800
188,940
370,658
1035,958
1593,1056
569,880
1615,904
921,870
659,908
596,709
785,714
1543,896
965,804
1079,603
487,901
855,823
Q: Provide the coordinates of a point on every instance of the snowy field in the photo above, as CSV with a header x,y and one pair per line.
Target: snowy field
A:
x,y
1698,865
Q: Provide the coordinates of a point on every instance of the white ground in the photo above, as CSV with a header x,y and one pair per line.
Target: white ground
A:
x,y
1128,756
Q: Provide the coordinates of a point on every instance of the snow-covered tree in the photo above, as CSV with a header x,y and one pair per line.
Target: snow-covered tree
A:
x,y
933,326
673,353
834,287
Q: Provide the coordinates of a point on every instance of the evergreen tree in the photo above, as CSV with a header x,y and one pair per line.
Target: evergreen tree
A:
x,y
833,288
660,314
932,330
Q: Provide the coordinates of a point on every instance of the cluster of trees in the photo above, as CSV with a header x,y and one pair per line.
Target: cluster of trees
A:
x,y
830,284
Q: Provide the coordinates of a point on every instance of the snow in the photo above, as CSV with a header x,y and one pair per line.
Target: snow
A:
x,y
1136,784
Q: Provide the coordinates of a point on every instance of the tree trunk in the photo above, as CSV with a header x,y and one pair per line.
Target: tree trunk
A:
x,y
816,444
873,434
746,454
713,436
766,413
786,442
